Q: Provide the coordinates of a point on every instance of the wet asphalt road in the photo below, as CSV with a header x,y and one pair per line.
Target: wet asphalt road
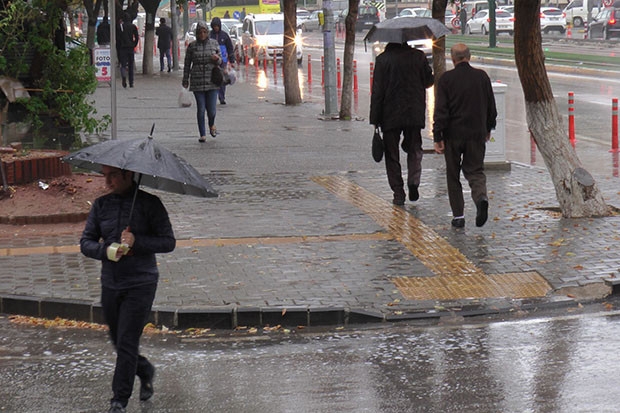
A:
x,y
562,362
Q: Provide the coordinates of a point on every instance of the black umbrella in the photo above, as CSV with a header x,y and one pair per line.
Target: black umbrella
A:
x,y
403,29
154,165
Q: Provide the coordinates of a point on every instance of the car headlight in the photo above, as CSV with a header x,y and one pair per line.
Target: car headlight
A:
x,y
298,41
377,48
261,42
428,44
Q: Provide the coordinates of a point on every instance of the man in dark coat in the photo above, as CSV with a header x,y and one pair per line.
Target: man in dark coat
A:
x,y
465,114
129,273
164,40
227,49
398,105
127,39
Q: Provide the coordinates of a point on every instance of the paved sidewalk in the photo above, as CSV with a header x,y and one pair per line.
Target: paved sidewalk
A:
x,y
304,232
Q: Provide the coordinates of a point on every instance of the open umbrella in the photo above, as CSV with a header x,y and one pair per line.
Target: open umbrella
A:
x,y
154,165
403,29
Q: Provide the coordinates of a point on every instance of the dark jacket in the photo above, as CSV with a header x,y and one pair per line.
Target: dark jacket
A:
x,y
127,36
149,224
164,37
401,77
464,104
223,39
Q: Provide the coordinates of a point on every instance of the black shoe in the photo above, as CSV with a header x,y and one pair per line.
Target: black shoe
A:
x,y
458,222
222,102
146,384
131,85
482,211
124,82
169,69
414,195
116,407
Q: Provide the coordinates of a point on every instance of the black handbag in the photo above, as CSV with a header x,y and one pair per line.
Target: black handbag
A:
x,y
217,76
377,146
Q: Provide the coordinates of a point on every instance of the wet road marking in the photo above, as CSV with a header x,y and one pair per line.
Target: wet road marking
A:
x,y
456,277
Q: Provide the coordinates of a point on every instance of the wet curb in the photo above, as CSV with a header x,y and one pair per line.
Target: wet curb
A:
x,y
232,317
72,217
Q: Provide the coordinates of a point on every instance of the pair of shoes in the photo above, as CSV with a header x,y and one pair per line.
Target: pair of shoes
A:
x,y
414,195
458,222
213,131
202,139
169,69
116,407
482,213
124,82
146,384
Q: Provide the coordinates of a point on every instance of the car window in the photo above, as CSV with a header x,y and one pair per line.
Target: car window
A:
x,y
555,12
367,10
481,14
502,13
270,27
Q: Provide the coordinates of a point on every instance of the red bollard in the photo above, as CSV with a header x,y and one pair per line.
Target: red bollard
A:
x,y
265,64
246,60
322,70
614,125
355,85
275,67
309,68
571,117
372,74
338,73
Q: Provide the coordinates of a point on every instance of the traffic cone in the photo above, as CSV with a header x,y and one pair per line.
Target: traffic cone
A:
x,y
569,31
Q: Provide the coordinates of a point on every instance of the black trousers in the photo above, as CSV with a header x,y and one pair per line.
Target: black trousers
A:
x,y
466,155
127,61
412,145
126,313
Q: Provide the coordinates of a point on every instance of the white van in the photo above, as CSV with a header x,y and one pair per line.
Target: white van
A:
x,y
262,36
577,11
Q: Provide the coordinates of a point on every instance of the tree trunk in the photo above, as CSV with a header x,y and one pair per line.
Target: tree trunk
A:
x,y
349,49
92,11
439,45
576,190
292,92
150,7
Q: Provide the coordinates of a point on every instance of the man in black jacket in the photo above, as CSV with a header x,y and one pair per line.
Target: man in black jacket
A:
x,y
227,49
127,39
164,39
129,273
465,114
398,105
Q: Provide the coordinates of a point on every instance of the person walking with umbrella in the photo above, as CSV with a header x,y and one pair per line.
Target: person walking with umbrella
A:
x,y
139,222
200,58
398,105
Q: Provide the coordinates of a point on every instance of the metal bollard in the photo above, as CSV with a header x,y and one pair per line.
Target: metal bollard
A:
x,y
338,73
614,125
355,85
372,74
322,70
309,68
571,117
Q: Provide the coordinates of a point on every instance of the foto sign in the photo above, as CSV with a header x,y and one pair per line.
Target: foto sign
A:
x,y
102,60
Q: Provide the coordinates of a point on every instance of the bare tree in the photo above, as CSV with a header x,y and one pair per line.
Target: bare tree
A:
x,y
349,48
576,190
150,7
292,93
92,11
439,45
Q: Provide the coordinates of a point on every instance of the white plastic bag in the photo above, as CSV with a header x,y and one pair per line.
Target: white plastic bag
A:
x,y
231,76
185,98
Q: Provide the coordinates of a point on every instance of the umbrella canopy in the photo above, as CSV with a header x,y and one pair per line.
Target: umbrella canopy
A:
x,y
403,29
155,165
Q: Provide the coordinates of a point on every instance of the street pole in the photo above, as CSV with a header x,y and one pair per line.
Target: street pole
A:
x,y
492,25
174,17
113,60
329,51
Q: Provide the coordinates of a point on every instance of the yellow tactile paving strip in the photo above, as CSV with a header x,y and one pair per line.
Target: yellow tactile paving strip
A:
x,y
208,242
455,276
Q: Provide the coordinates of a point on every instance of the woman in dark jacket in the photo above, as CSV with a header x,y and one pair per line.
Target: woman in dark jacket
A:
x,y
227,49
200,57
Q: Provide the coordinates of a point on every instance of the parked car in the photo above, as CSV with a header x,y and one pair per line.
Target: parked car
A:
x,y
605,25
302,14
415,12
425,45
552,19
367,17
576,12
481,22
190,35
263,37
312,22
509,9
